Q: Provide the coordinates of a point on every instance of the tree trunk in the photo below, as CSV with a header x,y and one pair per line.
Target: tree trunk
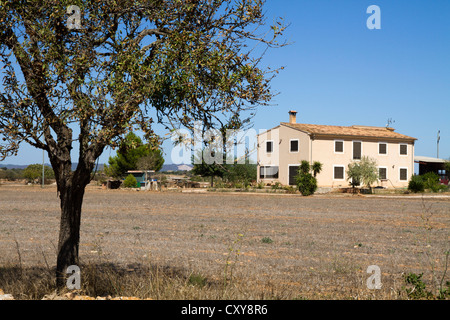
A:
x,y
69,232
71,187
212,181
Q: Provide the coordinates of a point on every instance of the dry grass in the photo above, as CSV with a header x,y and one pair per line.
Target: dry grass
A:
x,y
226,246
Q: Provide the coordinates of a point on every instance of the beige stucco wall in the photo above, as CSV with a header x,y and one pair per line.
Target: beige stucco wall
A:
x,y
281,156
322,150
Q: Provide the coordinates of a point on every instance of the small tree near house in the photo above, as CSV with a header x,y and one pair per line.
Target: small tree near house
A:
x,y
363,172
307,182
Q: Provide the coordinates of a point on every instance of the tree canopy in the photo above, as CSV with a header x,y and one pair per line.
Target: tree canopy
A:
x,y
133,154
34,172
364,171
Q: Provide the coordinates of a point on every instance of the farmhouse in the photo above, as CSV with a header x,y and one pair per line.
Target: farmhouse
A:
x,y
281,150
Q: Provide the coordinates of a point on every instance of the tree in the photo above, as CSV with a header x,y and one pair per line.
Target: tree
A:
x,y
364,171
307,182
130,152
34,172
128,65
416,184
154,160
447,168
130,182
206,168
316,167
128,62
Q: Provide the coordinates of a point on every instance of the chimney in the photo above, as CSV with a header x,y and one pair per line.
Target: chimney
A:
x,y
292,117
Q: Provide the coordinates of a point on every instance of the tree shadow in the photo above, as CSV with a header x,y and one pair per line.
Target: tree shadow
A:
x,y
97,279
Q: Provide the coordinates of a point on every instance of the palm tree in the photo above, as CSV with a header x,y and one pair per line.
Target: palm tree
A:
x,y
316,168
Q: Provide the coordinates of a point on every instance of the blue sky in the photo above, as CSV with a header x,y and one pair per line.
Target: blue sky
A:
x,y
338,72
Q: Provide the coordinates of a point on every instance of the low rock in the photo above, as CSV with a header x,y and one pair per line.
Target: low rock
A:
x,y
4,296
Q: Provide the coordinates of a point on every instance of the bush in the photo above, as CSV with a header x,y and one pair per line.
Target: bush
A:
x,y
290,189
427,181
266,240
418,290
130,182
416,184
431,181
307,184
33,173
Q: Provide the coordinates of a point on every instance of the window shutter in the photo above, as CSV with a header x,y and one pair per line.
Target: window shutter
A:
x,y
382,173
403,149
293,171
294,145
356,150
403,174
339,146
382,148
339,173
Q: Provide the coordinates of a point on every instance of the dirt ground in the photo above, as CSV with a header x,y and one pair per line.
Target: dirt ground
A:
x,y
293,246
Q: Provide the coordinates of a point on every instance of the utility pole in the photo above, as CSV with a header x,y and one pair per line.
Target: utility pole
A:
x,y
438,139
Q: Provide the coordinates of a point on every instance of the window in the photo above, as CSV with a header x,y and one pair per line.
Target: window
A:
x,y
339,172
403,174
357,150
382,173
404,149
382,148
269,146
268,172
293,146
339,146
293,171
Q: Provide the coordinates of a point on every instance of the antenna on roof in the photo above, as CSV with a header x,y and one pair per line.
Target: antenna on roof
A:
x,y
390,121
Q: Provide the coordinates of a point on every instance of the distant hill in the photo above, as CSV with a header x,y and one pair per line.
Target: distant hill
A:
x,y
176,167
13,166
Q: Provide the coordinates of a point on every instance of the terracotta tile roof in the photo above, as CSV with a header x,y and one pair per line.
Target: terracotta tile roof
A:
x,y
350,131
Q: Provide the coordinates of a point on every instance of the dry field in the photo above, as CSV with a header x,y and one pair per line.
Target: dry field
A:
x,y
173,245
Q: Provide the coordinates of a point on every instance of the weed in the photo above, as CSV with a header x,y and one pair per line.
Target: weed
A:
x,y
197,280
418,289
266,240
231,261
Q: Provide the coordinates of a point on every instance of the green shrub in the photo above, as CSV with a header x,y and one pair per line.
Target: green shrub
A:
x,y
276,186
416,184
307,184
130,182
260,185
290,189
431,181
428,181
266,240
197,280
418,287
